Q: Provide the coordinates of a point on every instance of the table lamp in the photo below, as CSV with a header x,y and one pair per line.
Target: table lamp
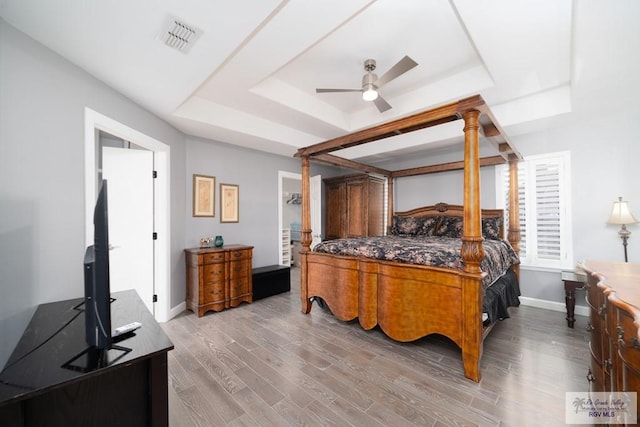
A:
x,y
621,215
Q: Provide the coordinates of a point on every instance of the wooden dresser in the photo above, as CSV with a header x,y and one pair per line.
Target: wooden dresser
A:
x,y
354,206
218,278
613,294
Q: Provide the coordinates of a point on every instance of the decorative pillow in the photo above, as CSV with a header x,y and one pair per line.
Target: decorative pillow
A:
x,y
429,225
449,226
491,228
412,226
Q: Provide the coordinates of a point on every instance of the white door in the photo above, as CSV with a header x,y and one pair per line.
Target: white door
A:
x,y
315,192
129,174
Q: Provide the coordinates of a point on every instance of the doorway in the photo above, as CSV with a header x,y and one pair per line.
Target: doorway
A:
x,y
96,123
290,210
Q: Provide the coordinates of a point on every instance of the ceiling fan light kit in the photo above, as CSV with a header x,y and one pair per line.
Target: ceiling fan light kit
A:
x,y
371,83
369,90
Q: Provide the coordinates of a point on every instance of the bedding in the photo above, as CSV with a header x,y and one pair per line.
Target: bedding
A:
x,y
425,250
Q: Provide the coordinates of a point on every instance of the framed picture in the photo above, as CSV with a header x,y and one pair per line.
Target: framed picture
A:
x,y
204,188
229,203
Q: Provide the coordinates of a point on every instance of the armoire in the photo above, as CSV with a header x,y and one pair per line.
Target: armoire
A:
x,y
354,206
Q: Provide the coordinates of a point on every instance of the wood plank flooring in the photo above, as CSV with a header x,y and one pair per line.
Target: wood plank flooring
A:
x,y
267,364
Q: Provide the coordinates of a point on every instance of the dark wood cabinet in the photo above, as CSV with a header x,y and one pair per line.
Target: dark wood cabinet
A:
x,y
53,378
218,278
354,206
614,300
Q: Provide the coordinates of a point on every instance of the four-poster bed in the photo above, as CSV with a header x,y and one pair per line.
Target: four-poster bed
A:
x,y
409,301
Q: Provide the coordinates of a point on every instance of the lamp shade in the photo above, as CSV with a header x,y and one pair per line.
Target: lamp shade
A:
x,y
621,213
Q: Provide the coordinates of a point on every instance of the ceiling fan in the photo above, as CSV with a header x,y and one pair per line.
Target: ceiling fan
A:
x,y
371,83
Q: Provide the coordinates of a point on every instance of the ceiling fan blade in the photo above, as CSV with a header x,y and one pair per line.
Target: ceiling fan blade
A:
x,y
337,90
401,67
381,104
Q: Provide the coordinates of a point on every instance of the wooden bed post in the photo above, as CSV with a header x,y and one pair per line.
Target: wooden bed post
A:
x,y
305,235
389,203
514,210
471,251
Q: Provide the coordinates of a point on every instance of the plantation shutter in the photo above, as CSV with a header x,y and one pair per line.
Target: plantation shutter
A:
x,y
547,202
543,192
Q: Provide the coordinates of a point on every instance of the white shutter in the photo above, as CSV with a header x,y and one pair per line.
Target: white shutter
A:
x,y
547,205
543,195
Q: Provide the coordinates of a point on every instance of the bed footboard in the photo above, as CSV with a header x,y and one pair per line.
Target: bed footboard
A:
x,y
408,302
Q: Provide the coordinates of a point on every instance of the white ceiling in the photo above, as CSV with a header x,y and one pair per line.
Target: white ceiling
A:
x,y
250,76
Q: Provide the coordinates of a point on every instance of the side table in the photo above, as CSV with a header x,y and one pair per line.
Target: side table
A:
x,y
572,281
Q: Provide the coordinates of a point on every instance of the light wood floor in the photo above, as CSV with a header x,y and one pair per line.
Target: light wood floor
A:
x,y
268,364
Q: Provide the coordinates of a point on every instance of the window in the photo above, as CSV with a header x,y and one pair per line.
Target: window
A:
x,y
544,192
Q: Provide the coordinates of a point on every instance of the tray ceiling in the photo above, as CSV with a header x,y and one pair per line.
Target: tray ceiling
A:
x,y
249,76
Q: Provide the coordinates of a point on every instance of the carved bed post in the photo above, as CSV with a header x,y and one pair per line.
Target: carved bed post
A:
x,y
514,210
389,203
305,235
471,251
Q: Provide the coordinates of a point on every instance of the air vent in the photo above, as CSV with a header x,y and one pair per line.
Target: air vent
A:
x,y
179,36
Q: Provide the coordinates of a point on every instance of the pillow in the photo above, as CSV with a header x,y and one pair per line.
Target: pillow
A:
x,y
491,228
411,226
449,226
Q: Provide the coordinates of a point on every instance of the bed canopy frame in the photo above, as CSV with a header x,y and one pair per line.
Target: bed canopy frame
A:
x,y
478,120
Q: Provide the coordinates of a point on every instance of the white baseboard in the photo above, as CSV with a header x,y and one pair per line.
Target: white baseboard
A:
x,y
177,310
552,305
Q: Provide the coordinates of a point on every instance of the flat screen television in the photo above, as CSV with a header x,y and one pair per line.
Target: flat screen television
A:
x,y
97,295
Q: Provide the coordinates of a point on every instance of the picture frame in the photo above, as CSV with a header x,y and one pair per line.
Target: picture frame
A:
x,y
204,191
229,203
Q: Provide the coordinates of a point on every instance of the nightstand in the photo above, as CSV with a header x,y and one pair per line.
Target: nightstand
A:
x,y
572,281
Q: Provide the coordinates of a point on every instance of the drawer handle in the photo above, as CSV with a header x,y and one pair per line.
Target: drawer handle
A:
x,y
590,377
590,327
621,342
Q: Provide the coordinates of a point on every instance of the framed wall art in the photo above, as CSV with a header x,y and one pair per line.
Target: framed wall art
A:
x,y
229,203
204,188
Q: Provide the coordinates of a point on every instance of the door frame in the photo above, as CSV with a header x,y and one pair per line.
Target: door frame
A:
x,y
95,122
281,176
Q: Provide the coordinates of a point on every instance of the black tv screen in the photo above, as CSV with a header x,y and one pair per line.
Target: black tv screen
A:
x,y
97,295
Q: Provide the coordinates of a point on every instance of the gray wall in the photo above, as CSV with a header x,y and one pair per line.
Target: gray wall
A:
x,y
257,175
42,204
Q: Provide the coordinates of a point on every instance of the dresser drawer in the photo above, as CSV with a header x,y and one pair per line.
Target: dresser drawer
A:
x,y
240,254
238,288
213,257
598,377
213,273
628,345
239,269
213,293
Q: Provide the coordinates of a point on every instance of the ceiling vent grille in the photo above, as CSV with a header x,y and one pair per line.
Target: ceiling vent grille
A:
x,y
180,36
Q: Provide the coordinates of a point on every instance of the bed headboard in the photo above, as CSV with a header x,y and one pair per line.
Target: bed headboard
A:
x,y
444,209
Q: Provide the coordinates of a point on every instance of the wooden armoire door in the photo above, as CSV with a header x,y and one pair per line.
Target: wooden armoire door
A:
x,y
356,208
335,193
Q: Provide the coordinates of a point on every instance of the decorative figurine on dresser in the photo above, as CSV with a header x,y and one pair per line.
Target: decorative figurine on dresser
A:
x,y
218,277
